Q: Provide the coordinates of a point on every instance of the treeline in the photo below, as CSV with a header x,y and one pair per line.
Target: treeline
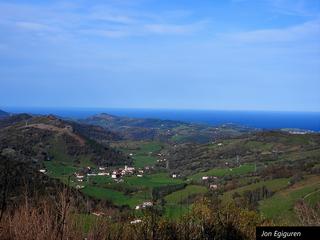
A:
x,y
161,191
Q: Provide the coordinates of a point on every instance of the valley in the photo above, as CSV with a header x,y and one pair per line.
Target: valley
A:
x,y
265,171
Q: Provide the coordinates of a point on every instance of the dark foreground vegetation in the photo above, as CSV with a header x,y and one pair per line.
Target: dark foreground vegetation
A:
x,y
46,218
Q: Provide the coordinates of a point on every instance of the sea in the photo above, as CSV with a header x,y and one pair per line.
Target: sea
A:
x,y
256,119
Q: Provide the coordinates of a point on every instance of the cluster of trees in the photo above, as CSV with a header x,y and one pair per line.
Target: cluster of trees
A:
x,y
58,219
161,191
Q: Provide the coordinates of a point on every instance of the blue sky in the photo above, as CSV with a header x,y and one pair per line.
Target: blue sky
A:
x,y
223,54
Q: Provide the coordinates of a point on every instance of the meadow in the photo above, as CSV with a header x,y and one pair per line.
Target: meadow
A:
x,y
280,206
220,172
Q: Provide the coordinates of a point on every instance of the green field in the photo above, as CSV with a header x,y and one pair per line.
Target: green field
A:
x,y
175,207
116,197
58,169
280,206
178,196
144,155
105,188
273,185
220,172
153,180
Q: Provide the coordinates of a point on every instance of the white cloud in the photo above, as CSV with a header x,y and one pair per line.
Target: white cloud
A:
x,y
292,7
33,26
306,31
169,28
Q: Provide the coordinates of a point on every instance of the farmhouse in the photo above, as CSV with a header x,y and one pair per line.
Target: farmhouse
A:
x,y
147,204
103,174
91,174
136,221
213,186
79,176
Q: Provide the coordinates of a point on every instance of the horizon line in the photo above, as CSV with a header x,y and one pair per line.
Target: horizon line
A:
x,y
157,108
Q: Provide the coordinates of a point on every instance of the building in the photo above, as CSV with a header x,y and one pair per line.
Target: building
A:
x,y
136,221
147,204
213,186
205,178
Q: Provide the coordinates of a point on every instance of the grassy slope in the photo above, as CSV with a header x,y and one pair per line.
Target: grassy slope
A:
x,y
220,172
143,152
116,197
280,206
178,196
174,207
153,180
104,184
273,185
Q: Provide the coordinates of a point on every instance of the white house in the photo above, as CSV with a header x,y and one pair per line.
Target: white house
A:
x,y
136,221
114,176
205,178
91,174
147,204
174,175
213,186
102,168
43,170
79,176
103,174
139,175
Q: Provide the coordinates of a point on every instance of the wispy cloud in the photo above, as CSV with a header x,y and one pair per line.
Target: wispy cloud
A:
x,y
33,26
293,7
174,28
307,31
97,20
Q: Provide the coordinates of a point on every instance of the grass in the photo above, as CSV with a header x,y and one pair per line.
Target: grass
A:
x,y
116,197
280,206
104,184
259,145
153,180
101,180
58,169
220,172
144,155
176,211
85,221
174,207
274,185
178,196
313,197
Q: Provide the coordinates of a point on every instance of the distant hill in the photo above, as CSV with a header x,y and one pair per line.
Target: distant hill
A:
x,y
3,114
267,146
165,130
44,138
